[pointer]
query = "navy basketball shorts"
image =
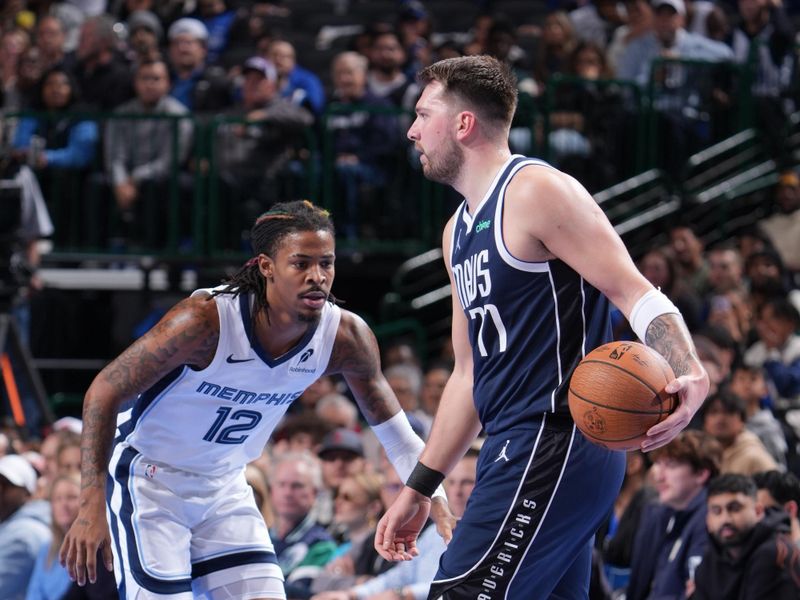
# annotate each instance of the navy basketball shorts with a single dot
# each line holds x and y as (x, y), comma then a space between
(540, 494)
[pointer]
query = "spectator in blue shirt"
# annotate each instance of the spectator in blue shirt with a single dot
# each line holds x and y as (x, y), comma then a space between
(685, 95)
(218, 21)
(49, 580)
(60, 144)
(24, 525)
(196, 86)
(70, 141)
(668, 38)
(296, 84)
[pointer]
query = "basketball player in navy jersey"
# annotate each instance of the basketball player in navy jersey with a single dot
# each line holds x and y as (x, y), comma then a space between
(533, 264)
(210, 382)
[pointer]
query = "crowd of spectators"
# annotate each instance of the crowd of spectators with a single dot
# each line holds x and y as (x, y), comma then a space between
(716, 509)
(696, 533)
(124, 91)
(323, 482)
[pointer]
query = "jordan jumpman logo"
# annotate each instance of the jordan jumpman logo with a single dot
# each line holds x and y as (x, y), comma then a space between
(503, 454)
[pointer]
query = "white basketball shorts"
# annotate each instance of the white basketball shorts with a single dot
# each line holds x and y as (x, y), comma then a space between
(178, 535)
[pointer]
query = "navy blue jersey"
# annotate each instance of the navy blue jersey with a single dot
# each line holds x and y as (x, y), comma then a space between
(530, 323)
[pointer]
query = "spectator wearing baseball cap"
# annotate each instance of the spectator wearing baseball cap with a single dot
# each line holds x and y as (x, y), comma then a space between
(677, 127)
(189, 27)
(341, 455)
(262, 66)
(197, 86)
(677, 5)
(24, 525)
(253, 159)
(341, 443)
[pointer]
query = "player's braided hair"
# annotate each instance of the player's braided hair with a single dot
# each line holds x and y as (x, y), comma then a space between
(266, 236)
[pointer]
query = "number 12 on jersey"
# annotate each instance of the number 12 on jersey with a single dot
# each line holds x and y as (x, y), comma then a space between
(224, 435)
(494, 317)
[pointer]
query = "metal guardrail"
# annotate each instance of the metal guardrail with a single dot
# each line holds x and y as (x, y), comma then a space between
(692, 91)
(81, 199)
(403, 212)
(197, 227)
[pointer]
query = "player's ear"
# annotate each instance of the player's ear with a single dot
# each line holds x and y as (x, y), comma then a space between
(466, 125)
(265, 265)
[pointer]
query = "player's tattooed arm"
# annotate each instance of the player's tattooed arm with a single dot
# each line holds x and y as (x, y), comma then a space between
(356, 356)
(187, 334)
(667, 334)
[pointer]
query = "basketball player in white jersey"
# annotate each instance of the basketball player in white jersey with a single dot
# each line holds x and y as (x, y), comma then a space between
(209, 383)
(533, 264)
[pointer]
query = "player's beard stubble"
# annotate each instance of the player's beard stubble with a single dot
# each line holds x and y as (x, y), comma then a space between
(445, 165)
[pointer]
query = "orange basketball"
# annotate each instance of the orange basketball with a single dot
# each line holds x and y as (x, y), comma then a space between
(617, 393)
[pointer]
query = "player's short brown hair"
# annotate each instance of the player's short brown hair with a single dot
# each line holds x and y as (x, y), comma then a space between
(482, 82)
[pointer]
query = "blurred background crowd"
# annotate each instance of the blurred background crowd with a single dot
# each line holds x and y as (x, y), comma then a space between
(175, 123)
(136, 134)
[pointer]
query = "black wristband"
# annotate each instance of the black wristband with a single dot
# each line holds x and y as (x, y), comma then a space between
(424, 480)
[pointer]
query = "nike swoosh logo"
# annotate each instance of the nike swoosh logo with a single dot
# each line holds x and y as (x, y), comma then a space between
(232, 360)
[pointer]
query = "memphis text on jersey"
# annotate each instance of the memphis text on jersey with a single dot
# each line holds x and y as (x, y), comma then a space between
(239, 396)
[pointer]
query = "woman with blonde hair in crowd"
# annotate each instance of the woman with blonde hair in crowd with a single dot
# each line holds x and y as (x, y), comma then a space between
(49, 580)
(357, 507)
(49, 451)
(68, 456)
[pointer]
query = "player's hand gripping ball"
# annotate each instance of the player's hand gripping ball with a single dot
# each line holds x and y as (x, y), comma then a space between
(617, 393)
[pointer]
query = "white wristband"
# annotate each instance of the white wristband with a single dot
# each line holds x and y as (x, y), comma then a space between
(402, 446)
(647, 308)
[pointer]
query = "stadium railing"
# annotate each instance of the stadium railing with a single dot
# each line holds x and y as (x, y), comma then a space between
(692, 104)
(81, 199)
(236, 189)
(395, 214)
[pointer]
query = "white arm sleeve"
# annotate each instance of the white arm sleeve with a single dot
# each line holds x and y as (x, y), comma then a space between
(402, 446)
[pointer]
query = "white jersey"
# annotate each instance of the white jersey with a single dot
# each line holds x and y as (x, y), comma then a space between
(218, 419)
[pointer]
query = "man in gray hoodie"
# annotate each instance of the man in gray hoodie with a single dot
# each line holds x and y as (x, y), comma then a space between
(24, 525)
